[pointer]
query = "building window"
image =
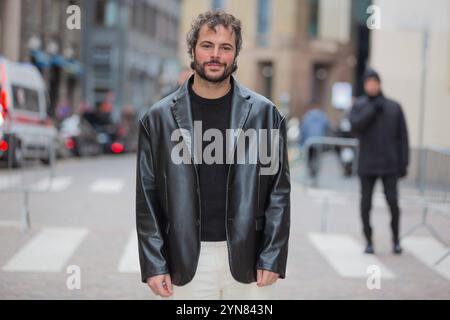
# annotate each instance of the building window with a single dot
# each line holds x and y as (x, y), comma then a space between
(142, 17)
(139, 9)
(147, 24)
(25, 99)
(106, 13)
(152, 20)
(133, 15)
(313, 25)
(100, 12)
(263, 22)
(216, 4)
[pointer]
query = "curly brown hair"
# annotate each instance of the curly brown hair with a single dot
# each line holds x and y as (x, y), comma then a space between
(212, 19)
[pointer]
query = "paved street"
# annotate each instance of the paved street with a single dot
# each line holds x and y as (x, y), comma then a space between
(87, 220)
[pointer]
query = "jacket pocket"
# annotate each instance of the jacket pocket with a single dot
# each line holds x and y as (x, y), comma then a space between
(259, 223)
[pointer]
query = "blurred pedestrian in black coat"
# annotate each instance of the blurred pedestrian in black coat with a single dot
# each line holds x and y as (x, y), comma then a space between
(380, 126)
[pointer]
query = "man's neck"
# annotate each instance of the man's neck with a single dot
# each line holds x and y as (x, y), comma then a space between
(210, 90)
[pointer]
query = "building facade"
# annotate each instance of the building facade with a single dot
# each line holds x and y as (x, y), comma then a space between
(411, 51)
(294, 50)
(48, 42)
(131, 53)
(10, 20)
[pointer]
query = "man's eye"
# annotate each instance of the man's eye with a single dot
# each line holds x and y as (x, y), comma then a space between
(226, 48)
(206, 46)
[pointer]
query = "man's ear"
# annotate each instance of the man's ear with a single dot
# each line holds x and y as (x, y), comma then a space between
(235, 66)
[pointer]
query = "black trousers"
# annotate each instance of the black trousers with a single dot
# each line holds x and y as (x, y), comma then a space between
(391, 194)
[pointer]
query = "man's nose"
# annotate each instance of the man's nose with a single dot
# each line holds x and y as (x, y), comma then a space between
(215, 53)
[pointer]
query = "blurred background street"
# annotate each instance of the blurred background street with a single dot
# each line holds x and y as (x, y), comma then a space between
(76, 75)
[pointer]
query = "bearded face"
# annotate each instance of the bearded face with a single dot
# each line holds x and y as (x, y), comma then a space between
(215, 54)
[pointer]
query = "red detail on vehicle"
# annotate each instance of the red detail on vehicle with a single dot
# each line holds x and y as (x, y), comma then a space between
(70, 144)
(3, 145)
(3, 94)
(4, 100)
(32, 120)
(117, 147)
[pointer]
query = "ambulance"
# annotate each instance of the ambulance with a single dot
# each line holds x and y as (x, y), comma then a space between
(26, 130)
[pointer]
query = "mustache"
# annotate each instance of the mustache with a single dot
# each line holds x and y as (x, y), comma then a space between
(215, 62)
(234, 66)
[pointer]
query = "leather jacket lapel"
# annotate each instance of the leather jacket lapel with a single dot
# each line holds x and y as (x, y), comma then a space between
(240, 108)
(181, 110)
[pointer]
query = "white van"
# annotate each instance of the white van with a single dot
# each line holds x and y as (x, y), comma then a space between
(26, 131)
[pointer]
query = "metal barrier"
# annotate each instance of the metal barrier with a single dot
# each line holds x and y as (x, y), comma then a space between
(433, 183)
(432, 188)
(23, 179)
(333, 142)
(325, 196)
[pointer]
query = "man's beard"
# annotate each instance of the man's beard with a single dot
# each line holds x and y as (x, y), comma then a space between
(200, 70)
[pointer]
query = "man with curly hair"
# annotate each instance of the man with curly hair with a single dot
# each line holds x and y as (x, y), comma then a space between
(210, 229)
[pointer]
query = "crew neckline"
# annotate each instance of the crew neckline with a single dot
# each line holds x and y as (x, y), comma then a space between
(203, 100)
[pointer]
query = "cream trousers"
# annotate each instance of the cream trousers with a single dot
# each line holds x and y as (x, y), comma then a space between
(213, 279)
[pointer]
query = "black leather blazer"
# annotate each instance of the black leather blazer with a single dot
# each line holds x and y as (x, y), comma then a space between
(168, 195)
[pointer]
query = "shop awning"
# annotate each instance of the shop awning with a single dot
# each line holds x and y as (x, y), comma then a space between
(41, 59)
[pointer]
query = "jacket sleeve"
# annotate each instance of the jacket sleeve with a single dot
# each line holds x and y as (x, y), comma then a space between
(148, 211)
(361, 116)
(403, 144)
(273, 256)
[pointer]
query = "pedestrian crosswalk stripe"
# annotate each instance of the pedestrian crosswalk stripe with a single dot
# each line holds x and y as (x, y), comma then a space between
(340, 198)
(428, 251)
(55, 184)
(129, 262)
(48, 251)
(106, 186)
(10, 181)
(345, 255)
(10, 223)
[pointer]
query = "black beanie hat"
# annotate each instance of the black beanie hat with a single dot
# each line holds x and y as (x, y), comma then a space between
(370, 73)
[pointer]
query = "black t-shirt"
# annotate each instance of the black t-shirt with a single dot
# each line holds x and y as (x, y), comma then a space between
(214, 114)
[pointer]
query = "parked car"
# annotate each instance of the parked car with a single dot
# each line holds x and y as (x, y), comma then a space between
(26, 130)
(80, 137)
(109, 134)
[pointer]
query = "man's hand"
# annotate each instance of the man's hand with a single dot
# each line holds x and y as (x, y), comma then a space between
(378, 102)
(265, 277)
(161, 285)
